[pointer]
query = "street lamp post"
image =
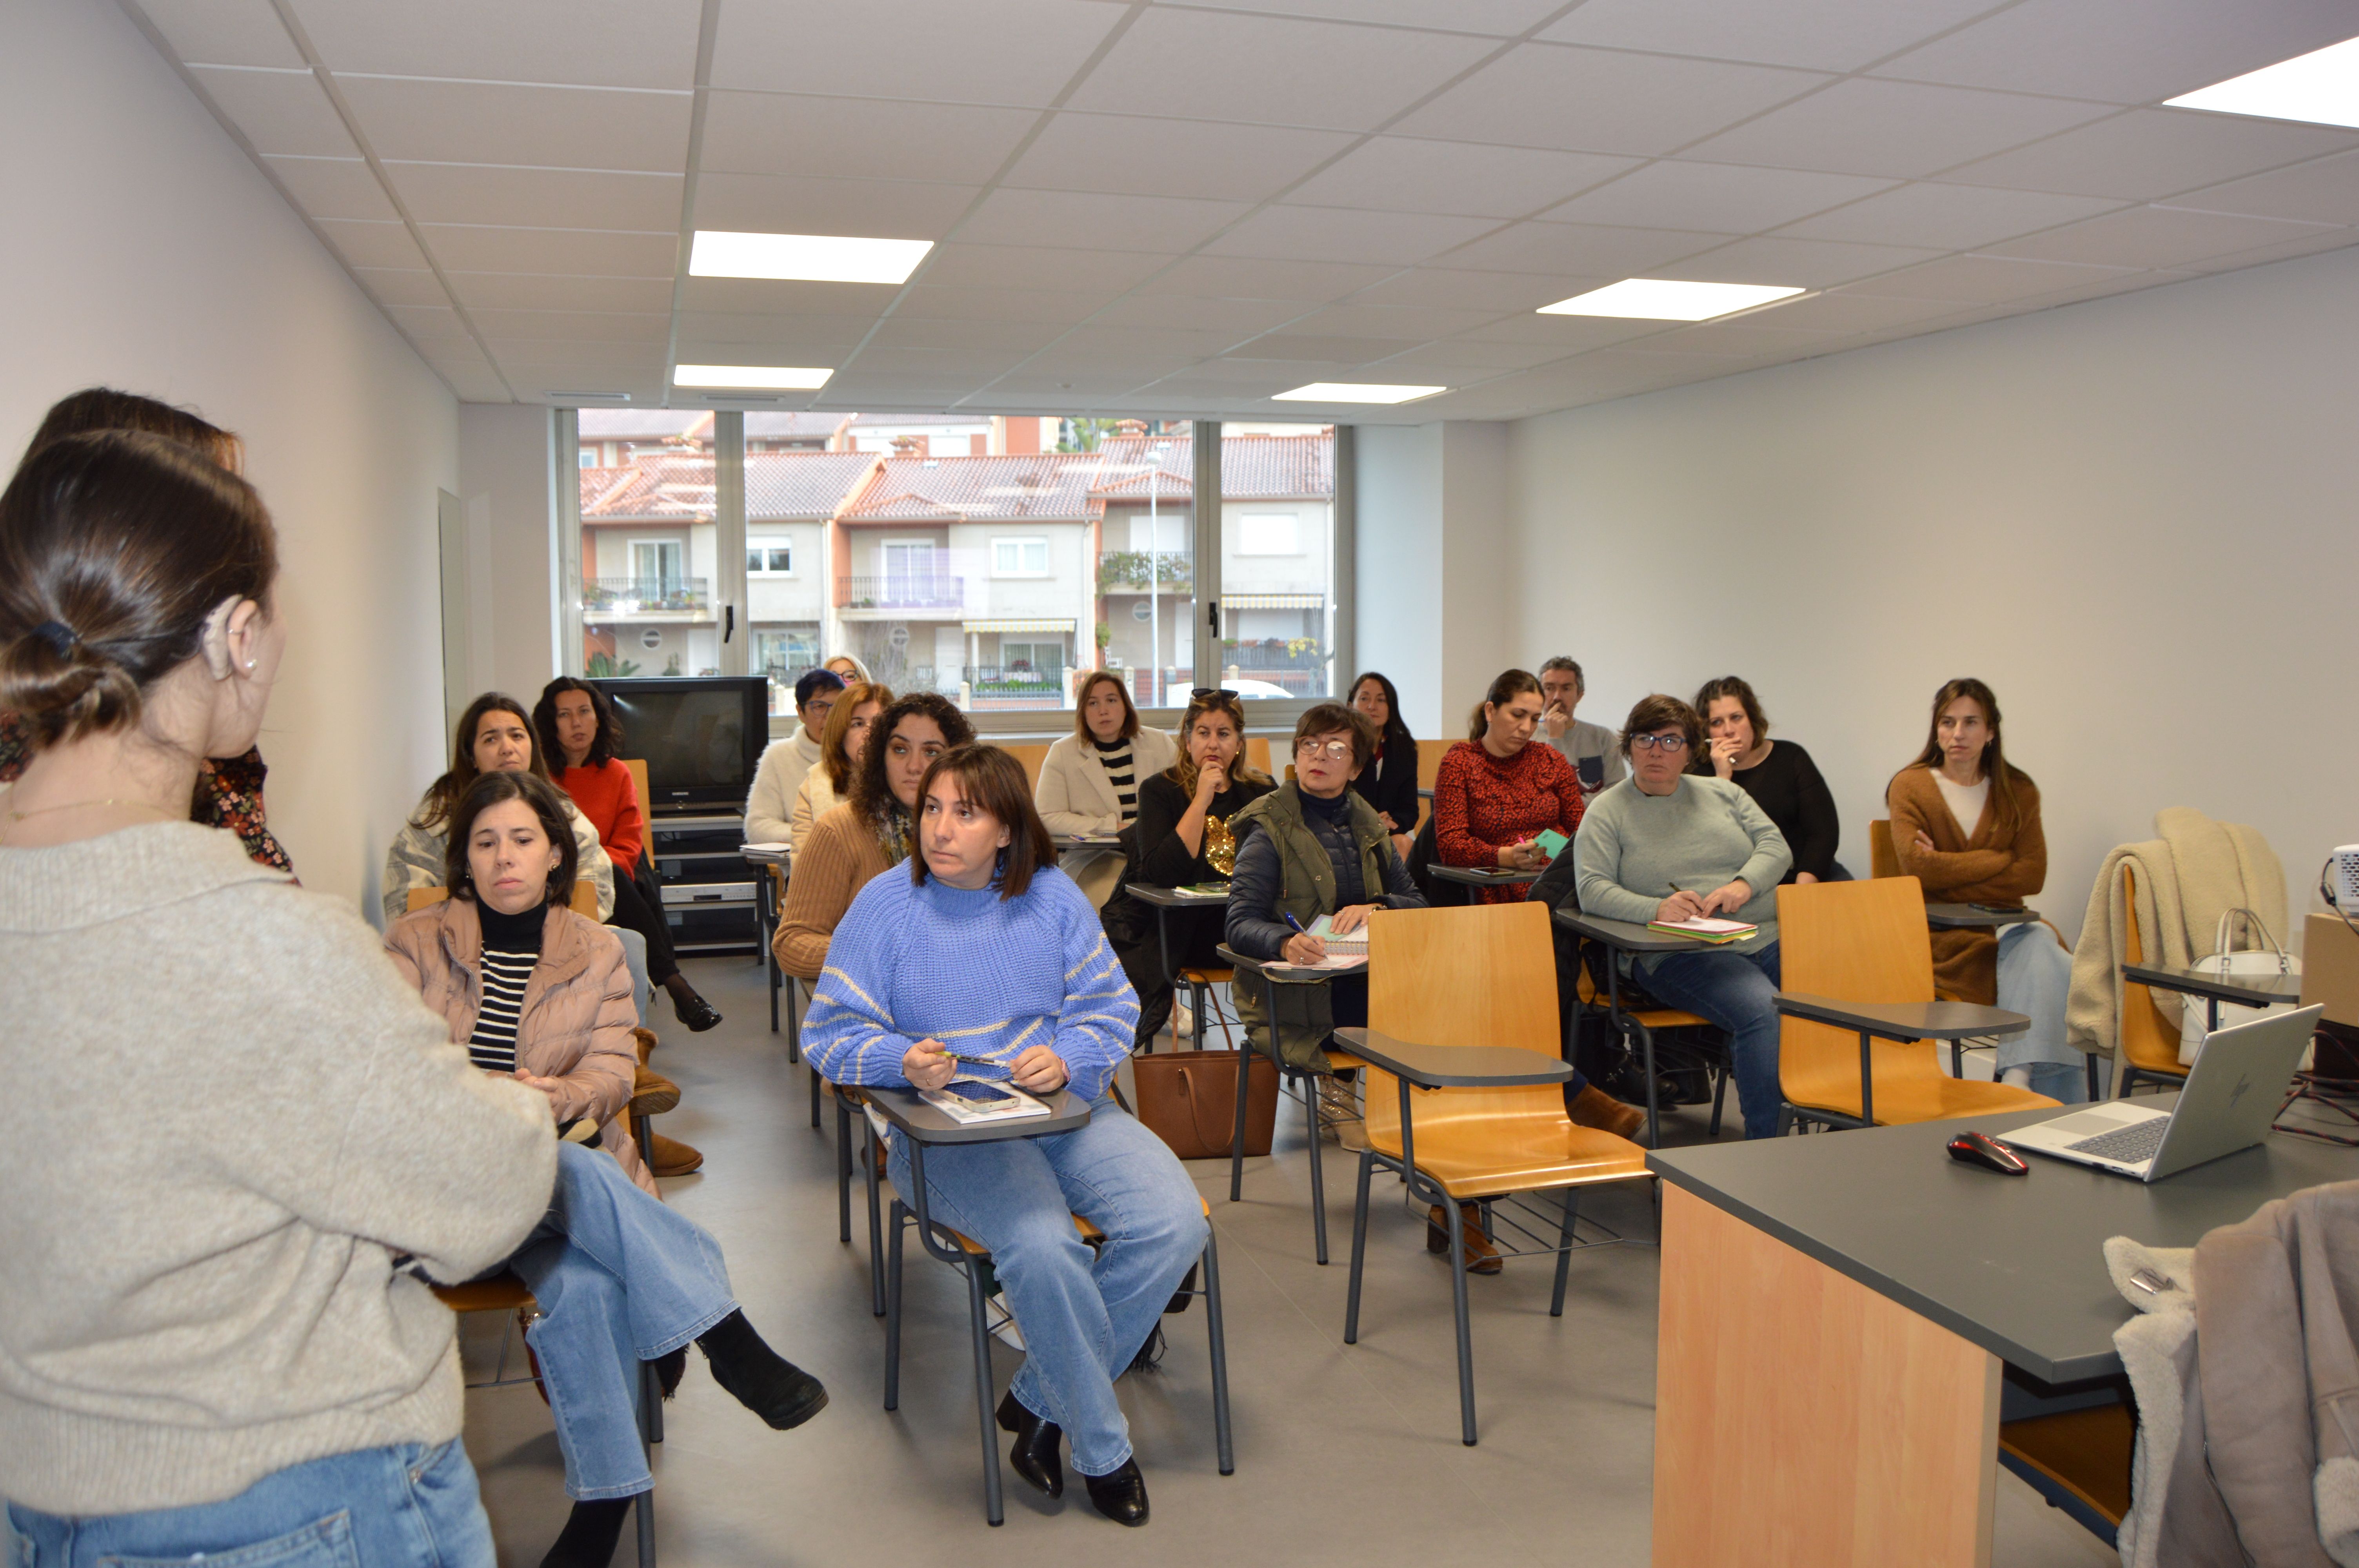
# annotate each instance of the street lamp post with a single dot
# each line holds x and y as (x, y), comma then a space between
(1155, 572)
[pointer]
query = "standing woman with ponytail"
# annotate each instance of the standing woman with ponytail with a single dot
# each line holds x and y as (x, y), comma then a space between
(213, 1335)
(1965, 823)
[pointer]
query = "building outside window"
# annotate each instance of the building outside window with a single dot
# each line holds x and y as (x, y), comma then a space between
(647, 564)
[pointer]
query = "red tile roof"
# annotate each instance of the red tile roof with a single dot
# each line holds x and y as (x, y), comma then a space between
(1253, 467)
(796, 486)
(1048, 486)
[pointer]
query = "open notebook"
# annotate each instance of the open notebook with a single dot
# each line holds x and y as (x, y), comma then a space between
(1704, 928)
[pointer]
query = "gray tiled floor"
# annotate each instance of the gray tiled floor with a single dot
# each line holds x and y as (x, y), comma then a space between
(1345, 1452)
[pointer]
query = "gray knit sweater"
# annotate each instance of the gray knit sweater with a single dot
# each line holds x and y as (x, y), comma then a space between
(1634, 849)
(225, 1120)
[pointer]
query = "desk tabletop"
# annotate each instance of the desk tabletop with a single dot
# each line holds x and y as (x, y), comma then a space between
(1178, 898)
(1622, 935)
(1455, 1066)
(2014, 1263)
(929, 1124)
(1279, 972)
(1085, 841)
(764, 854)
(1904, 1020)
(1484, 876)
(2253, 990)
(1965, 917)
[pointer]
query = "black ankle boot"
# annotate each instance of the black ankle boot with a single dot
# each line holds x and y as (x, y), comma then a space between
(1033, 1455)
(693, 1010)
(758, 1377)
(590, 1534)
(671, 1368)
(1121, 1497)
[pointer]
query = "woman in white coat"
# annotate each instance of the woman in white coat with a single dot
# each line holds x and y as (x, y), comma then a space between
(1089, 782)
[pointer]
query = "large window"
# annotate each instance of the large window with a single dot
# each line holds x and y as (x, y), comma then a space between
(993, 560)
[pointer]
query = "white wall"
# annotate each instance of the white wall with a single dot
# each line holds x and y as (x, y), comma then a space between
(504, 471)
(145, 252)
(2132, 516)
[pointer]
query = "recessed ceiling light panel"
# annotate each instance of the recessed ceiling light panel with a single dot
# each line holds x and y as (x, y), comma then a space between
(2321, 88)
(1355, 392)
(1662, 299)
(793, 378)
(805, 258)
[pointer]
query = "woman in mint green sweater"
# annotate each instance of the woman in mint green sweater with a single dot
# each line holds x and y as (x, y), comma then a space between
(1668, 845)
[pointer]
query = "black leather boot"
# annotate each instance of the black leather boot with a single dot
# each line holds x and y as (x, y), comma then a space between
(1121, 1497)
(1033, 1455)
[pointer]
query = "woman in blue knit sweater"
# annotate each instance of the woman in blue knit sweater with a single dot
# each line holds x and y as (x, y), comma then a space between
(987, 942)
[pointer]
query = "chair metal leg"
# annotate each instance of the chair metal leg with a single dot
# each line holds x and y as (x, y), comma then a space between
(814, 1100)
(1465, 1333)
(644, 1508)
(1785, 1120)
(1237, 1134)
(844, 1170)
(1719, 1098)
(893, 1312)
(1646, 1065)
(876, 1225)
(794, 1023)
(2096, 1091)
(654, 1390)
(1310, 1082)
(991, 1502)
(1217, 1332)
(1359, 1247)
(1564, 1253)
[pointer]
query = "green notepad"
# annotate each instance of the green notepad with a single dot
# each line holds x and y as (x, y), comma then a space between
(1552, 843)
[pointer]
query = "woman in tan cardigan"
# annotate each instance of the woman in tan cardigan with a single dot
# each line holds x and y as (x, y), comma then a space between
(869, 833)
(1965, 823)
(539, 994)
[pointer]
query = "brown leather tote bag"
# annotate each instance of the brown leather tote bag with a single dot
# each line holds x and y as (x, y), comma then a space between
(1190, 1099)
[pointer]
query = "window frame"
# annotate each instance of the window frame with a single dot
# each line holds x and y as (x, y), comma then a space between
(1021, 542)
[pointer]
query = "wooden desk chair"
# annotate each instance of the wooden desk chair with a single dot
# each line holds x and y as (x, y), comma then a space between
(2145, 1044)
(1257, 754)
(1428, 768)
(639, 767)
(1032, 756)
(1883, 860)
(1478, 1145)
(1199, 979)
(1639, 1027)
(584, 901)
(1867, 942)
(973, 1259)
(506, 1293)
(2080, 1461)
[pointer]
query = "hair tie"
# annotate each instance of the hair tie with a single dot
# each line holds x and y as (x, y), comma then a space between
(58, 636)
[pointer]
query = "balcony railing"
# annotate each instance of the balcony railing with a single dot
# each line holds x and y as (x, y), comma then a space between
(642, 595)
(915, 590)
(1272, 655)
(1019, 686)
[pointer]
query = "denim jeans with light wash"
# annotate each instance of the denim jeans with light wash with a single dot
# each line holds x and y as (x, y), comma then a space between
(620, 1279)
(1083, 1318)
(2034, 973)
(635, 958)
(1737, 991)
(411, 1506)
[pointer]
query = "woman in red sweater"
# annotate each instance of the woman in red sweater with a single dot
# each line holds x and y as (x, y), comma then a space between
(580, 735)
(1496, 791)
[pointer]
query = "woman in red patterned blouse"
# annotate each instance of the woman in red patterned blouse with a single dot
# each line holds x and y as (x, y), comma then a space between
(1496, 791)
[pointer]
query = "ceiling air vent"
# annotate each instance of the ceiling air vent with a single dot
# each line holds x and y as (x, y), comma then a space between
(588, 397)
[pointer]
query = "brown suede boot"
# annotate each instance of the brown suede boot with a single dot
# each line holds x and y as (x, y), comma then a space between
(652, 1094)
(1594, 1108)
(1481, 1257)
(670, 1157)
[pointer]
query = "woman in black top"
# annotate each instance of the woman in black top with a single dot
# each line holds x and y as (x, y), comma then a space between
(1389, 781)
(1778, 776)
(1181, 838)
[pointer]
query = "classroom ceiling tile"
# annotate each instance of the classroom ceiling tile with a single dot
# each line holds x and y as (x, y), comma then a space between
(583, 355)
(472, 248)
(1012, 52)
(967, 337)
(279, 110)
(1946, 217)
(334, 188)
(1397, 174)
(537, 197)
(223, 32)
(596, 43)
(1095, 220)
(1745, 337)
(859, 138)
(567, 326)
(1581, 250)
(547, 127)
(1346, 235)
(806, 204)
(427, 323)
(1805, 264)
(1566, 334)
(1470, 360)
(1413, 323)
(1238, 277)
(363, 242)
(1130, 155)
(1458, 289)
(1259, 368)
(1243, 317)
(932, 367)
(1984, 280)
(1904, 130)
(1676, 194)
(2324, 190)
(1547, 95)
(1494, 19)
(537, 291)
(779, 296)
(955, 265)
(2125, 51)
(2146, 154)
(2317, 240)
(1235, 67)
(400, 285)
(2157, 237)
(808, 333)
(1848, 311)
(1062, 306)
(1814, 34)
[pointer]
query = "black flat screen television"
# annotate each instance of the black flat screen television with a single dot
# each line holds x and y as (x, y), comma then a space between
(702, 736)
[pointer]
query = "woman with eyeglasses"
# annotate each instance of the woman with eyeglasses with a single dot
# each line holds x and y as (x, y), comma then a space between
(1666, 844)
(1184, 836)
(1496, 793)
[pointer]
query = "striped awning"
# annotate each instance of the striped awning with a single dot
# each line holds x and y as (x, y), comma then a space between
(1273, 601)
(1037, 628)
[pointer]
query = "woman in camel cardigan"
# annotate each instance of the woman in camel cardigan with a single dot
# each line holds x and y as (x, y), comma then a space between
(1965, 823)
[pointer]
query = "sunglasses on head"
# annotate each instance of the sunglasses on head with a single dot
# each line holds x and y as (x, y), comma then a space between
(1202, 692)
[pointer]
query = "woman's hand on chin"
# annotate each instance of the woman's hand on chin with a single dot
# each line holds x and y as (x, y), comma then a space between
(1039, 1069)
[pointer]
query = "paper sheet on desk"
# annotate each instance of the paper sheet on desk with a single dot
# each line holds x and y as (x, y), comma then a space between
(1331, 961)
(765, 848)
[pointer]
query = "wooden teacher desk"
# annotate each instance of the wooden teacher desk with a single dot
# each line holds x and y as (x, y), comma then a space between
(1837, 1311)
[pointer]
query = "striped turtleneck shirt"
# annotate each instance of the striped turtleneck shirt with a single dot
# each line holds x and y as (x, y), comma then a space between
(511, 949)
(1122, 771)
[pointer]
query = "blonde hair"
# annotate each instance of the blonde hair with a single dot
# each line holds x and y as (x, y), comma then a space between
(1183, 772)
(838, 729)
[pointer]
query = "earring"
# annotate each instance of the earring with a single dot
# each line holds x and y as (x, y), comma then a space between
(249, 666)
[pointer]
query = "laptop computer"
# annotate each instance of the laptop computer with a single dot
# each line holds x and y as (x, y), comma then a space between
(2233, 1093)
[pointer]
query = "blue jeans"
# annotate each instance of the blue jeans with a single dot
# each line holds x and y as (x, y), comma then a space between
(1737, 991)
(1084, 1317)
(407, 1507)
(2034, 973)
(620, 1279)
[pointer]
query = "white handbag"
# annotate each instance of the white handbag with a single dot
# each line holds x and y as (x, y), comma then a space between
(2258, 960)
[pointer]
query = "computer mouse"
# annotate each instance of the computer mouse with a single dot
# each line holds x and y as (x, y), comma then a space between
(1982, 1149)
